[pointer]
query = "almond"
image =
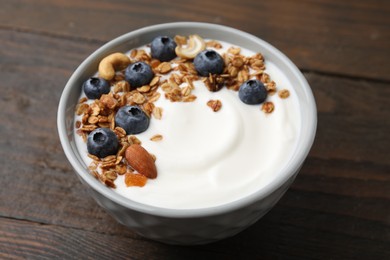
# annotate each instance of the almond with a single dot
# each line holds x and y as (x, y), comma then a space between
(141, 161)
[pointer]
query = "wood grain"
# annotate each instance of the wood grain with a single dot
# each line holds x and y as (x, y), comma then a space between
(285, 232)
(328, 35)
(338, 207)
(21, 239)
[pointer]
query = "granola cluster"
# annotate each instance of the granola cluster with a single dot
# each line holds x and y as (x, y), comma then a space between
(174, 80)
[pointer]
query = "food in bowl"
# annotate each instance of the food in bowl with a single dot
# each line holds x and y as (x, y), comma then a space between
(206, 130)
(218, 119)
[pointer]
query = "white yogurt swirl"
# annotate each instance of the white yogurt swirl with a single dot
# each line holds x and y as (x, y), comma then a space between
(211, 158)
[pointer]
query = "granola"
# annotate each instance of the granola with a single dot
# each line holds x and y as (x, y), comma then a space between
(215, 105)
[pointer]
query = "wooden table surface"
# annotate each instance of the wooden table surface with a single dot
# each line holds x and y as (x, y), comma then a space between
(338, 206)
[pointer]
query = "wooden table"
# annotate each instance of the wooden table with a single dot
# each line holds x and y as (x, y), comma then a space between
(339, 205)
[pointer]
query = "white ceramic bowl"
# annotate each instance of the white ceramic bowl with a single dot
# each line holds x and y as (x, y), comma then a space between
(187, 226)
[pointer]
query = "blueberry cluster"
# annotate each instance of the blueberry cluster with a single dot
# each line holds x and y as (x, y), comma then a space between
(103, 142)
(205, 62)
(210, 62)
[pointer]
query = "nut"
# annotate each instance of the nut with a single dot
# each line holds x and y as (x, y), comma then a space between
(195, 45)
(141, 161)
(111, 63)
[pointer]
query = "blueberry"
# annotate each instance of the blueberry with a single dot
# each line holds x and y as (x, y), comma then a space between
(102, 142)
(138, 74)
(132, 119)
(252, 92)
(95, 87)
(163, 48)
(208, 61)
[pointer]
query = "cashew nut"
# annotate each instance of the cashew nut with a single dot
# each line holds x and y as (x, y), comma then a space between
(111, 63)
(195, 45)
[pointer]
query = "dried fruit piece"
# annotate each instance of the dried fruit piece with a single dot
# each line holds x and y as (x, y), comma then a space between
(132, 179)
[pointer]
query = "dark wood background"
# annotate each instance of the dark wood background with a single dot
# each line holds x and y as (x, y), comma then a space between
(339, 205)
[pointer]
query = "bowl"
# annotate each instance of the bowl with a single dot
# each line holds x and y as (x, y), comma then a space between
(187, 226)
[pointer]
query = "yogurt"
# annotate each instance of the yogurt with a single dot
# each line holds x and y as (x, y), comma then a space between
(208, 158)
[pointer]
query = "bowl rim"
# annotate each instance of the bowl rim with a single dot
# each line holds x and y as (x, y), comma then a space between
(285, 175)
